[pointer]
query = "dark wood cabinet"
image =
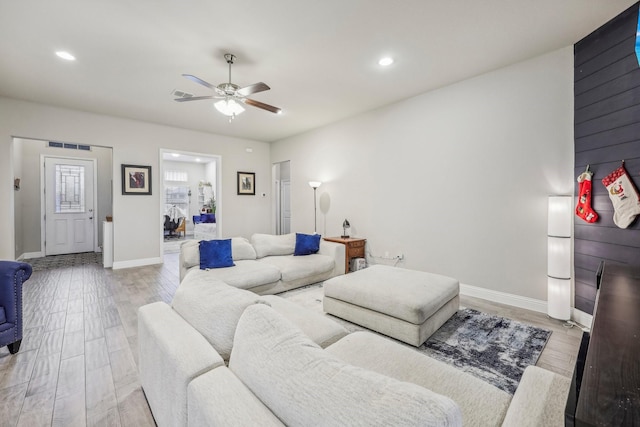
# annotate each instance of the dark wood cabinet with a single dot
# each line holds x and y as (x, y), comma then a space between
(606, 390)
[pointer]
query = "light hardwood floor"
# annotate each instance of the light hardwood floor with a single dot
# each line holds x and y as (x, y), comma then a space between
(77, 364)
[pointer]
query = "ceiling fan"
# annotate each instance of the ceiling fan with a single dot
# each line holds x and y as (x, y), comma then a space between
(231, 95)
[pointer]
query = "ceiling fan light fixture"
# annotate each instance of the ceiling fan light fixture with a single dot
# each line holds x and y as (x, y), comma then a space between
(229, 107)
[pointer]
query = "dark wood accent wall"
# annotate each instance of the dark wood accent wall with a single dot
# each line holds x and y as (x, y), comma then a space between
(607, 131)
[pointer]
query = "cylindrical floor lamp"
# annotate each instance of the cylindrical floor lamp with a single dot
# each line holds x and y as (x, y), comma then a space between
(315, 185)
(559, 257)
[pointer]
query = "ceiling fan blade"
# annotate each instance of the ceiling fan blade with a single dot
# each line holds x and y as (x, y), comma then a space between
(254, 88)
(195, 98)
(262, 105)
(199, 81)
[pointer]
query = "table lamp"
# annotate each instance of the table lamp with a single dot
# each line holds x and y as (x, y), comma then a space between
(345, 225)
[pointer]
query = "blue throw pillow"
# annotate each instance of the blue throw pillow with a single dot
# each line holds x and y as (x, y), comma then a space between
(215, 254)
(307, 244)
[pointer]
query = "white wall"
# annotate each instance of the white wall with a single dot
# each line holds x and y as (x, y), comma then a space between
(456, 179)
(137, 222)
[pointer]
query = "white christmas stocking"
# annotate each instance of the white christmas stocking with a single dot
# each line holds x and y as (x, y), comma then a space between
(623, 195)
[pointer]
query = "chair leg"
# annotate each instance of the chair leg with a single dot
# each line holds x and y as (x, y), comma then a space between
(14, 347)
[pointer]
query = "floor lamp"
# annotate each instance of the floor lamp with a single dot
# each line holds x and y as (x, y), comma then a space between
(559, 257)
(314, 185)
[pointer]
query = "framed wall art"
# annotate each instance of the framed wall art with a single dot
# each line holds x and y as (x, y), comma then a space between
(136, 180)
(247, 183)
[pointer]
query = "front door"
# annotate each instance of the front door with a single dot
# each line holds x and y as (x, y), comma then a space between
(69, 216)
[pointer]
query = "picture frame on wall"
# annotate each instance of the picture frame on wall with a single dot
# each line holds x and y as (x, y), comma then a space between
(136, 180)
(246, 183)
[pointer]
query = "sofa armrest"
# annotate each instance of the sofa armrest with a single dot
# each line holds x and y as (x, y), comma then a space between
(335, 251)
(12, 275)
(171, 354)
(539, 399)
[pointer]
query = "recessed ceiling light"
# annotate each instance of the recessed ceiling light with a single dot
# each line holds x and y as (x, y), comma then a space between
(175, 155)
(386, 61)
(65, 55)
(198, 160)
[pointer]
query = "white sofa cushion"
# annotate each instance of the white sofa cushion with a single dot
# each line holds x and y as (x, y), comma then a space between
(305, 386)
(212, 307)
(241, 249)
(245, 274)
(481, 403)
(190, 250)
(320, 328)
(269, 244)
(218, 398)
(297, 267)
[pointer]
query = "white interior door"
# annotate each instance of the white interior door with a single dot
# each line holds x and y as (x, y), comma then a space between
(69, 214)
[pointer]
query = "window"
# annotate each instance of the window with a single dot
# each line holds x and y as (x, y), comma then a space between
(69, 189)
(176, 176)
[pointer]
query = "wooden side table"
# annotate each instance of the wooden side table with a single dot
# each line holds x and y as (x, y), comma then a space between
(354, 248)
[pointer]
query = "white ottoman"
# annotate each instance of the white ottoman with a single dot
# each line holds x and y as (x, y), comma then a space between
(407, 305)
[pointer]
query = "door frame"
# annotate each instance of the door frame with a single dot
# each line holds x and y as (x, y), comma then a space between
(43, 201)
(276, 200)
(217, 190)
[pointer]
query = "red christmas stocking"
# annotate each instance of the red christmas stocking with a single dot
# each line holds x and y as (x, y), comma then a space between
(623, 195)
(583, 208)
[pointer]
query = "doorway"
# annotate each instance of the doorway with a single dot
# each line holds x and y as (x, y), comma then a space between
(281, 173)
(28, 160)
(69, 199)
(190, 183)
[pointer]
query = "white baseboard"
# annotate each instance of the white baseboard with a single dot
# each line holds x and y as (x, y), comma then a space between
(504, 298)
(30, 255)
(522, 302)
(117, 265)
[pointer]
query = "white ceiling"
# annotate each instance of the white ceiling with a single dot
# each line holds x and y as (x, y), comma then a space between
(319, 57)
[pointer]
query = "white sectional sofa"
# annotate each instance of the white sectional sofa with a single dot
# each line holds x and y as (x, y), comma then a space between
(266, 264)
(220, 355)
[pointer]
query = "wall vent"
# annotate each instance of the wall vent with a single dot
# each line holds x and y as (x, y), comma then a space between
(69, 146)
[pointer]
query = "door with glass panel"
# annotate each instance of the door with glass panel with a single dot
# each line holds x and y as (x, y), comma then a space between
(69, 215)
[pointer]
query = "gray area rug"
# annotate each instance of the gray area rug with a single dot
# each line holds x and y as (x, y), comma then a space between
(492, 348)
(64, 261)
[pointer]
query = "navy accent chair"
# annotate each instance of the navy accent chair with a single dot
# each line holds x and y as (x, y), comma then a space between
(12, 275)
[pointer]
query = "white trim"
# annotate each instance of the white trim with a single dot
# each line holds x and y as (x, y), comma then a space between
(532, 304)
(584, 319)
(117, 265)
(29, 255)
(504, 298)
